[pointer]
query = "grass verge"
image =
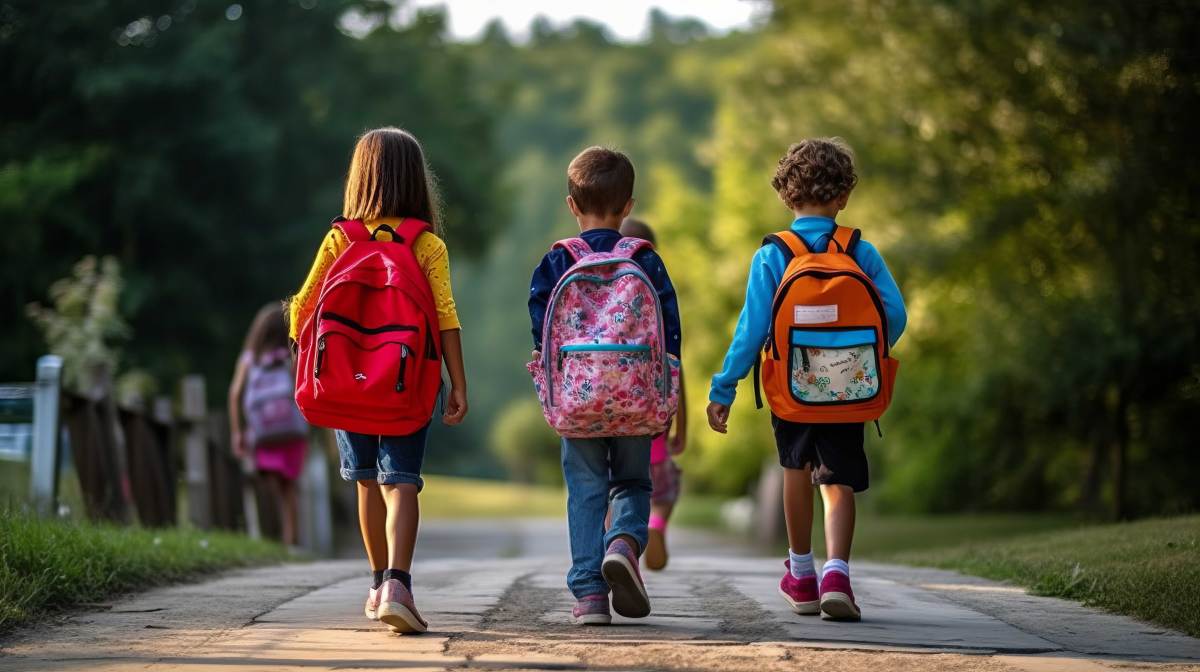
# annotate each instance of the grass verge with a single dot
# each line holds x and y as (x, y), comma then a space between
(454, 497)
(1148, 569)
(48, 565)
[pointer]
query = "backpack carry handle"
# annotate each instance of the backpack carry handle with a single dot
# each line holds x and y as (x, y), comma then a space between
(406, 232)
(844, 239)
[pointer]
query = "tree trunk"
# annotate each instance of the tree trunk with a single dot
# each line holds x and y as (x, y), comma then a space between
(1120, 445)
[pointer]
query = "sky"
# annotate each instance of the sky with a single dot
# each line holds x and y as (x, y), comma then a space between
(625, 18)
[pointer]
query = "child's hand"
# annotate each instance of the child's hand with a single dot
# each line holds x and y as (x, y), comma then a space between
(456, 406)
(718, 417)
(537, 354)
(237, 441)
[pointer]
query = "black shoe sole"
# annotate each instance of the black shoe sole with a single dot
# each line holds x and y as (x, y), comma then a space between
(629, 597)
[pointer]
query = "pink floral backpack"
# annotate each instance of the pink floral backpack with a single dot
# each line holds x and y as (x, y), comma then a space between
(604, 369)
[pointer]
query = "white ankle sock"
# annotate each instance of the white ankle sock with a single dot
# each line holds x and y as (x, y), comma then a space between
(835, 565)
(801, 565)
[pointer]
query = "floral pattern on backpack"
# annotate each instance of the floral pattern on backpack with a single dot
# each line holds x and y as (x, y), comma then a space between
(604, 370)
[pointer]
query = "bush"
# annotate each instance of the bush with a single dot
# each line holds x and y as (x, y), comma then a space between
(526, 445)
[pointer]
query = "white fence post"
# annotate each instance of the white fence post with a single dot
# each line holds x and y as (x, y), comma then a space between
(195, 451)
(43, 468)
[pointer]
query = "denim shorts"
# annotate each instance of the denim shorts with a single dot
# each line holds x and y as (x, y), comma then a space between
(388, 459)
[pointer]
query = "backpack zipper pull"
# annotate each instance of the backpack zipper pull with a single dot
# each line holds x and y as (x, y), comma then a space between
(403, 366)
(878, 429)
(804, 363)
(320, 356)
(561, 356)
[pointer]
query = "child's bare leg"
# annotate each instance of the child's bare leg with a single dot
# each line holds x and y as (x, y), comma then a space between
(839, 520)
(798, 508)
(661, 510)
(289, 509)
(403, 516)
(372, 522)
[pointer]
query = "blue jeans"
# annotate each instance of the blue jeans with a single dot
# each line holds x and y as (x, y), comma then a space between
(388, 459)
(600, 472)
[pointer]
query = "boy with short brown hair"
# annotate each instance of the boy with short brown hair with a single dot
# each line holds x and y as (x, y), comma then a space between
(607, 472)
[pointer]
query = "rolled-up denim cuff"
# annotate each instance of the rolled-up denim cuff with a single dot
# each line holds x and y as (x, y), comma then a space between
(359, 474)
(400, 477)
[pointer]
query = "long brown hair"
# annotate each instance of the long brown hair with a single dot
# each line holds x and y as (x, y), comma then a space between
(389, 178)
(268, 331)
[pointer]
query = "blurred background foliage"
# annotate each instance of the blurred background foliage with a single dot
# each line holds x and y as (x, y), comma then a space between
(1026, 168)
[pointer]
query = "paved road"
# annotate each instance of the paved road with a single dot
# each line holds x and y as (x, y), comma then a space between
(494, 595)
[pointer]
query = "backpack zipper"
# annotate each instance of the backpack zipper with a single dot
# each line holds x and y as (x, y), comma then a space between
(320, 356)
(403, 366)
(334, 317)
(599, 347)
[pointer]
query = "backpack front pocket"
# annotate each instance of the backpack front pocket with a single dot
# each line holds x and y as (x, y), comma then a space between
(372, 364)
(604, 384)
(834, 366)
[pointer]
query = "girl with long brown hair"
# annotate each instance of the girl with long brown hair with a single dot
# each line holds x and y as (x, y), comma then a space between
(389, 182)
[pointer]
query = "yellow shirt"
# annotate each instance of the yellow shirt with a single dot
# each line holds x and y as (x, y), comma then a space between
(431, 256)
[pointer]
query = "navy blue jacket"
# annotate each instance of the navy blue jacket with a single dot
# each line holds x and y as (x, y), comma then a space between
(556, 262)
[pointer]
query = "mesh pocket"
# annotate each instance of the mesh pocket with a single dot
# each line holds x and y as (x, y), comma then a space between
(836, 366)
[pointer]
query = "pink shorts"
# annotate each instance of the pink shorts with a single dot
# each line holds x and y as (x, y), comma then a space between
(285, 458)
(664, 477)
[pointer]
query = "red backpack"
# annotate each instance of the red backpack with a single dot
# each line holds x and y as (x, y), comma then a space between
(370, 360)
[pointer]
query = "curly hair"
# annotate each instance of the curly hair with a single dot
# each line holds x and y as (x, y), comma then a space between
(814, 172)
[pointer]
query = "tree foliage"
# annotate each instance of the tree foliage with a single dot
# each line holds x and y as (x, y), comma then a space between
(1024, 169)
(204, 148)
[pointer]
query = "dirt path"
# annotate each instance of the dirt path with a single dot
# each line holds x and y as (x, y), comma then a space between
(711, 611)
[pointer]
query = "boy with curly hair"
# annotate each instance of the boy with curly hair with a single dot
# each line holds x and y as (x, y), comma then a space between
(814, 179)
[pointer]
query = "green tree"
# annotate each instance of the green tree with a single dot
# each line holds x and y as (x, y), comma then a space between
(205, 148)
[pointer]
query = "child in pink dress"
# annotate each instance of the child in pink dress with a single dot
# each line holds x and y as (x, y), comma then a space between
(664, 473)
(278, 458)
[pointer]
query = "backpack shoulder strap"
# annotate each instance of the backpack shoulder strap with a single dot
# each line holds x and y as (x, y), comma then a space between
(844, 239)
(789, 243)
(629, 246)
(409, 230)
(353, 229)
(576, 247)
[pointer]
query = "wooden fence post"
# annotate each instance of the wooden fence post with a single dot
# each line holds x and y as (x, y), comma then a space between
(316, 518)
(164, 419)
(195, 451)
(43, 482)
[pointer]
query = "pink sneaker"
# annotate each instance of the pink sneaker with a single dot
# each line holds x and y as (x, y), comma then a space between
(398, 610)
(372, 607)
(801, 594)
(591, 610)
(620, 569)
(837, 599)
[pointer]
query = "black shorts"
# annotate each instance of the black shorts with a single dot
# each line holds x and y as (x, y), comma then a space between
(834, 451)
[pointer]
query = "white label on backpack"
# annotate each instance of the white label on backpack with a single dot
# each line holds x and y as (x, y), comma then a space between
(815, 314)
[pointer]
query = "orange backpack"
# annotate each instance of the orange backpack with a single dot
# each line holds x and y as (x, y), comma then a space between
(827, 357)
